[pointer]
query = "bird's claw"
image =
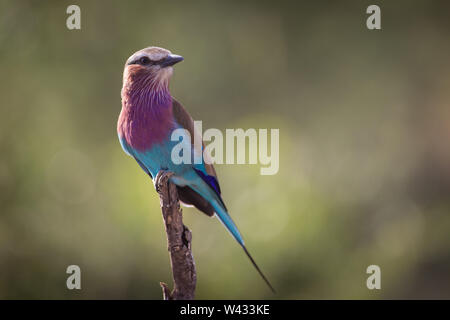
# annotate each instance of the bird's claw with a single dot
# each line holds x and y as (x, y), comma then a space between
(161, 179)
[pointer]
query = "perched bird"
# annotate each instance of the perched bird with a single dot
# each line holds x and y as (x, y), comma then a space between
(148, 117)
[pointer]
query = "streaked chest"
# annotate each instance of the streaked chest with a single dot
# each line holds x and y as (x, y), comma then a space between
(142, 127)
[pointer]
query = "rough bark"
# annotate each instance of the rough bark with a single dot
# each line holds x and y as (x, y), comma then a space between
(179, 239)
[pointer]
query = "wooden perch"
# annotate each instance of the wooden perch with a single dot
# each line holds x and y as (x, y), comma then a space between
(178, 240)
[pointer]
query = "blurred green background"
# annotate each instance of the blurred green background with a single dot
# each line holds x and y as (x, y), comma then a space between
(364, 121)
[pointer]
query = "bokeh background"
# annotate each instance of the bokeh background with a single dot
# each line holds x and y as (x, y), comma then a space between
(364, 121)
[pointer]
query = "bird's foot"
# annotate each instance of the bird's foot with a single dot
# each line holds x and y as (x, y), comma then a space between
(162, 179)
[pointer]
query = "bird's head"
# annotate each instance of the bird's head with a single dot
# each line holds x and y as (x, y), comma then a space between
(151, 66)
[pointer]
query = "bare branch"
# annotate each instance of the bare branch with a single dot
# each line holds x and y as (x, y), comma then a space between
(178, 240)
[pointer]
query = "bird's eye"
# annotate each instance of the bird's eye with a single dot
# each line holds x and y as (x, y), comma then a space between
(144, 60)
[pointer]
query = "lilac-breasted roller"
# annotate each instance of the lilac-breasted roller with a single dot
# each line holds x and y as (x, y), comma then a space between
(148, 117)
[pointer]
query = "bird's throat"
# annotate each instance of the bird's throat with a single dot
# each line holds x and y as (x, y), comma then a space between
(146, 118)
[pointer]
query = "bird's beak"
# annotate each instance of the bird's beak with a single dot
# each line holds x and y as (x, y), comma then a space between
(171, 60)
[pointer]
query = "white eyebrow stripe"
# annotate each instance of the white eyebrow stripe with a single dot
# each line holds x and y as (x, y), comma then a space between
(136, 57)
(155, 56)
